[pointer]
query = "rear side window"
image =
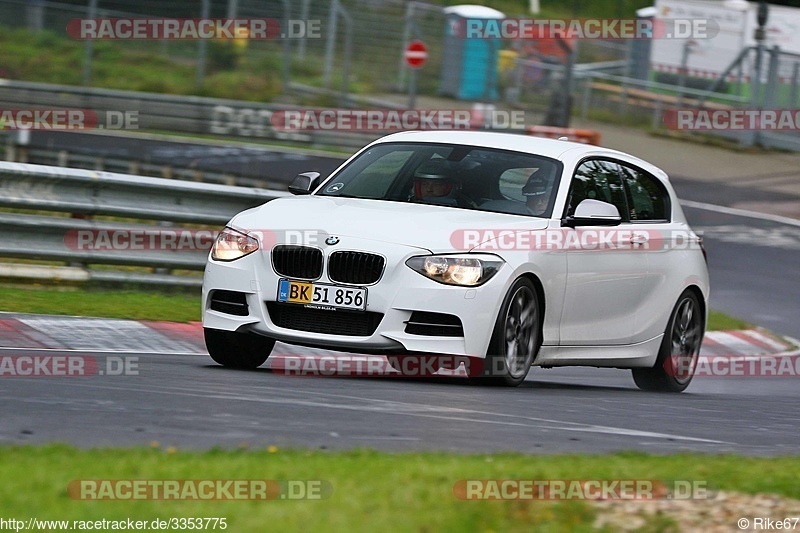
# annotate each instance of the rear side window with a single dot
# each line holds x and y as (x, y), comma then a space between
(513, 180)
(647, 197)
(598, 179)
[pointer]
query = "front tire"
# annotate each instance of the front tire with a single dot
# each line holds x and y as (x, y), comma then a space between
(237, 350)
(515, 341)
(680, 349)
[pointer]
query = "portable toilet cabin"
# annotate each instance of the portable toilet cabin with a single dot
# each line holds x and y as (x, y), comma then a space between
(469, 65)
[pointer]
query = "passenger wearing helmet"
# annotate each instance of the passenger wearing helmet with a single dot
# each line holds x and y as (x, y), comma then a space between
(537, 194)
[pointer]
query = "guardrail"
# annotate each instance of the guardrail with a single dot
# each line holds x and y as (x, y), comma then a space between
(623, 94)
(152, 205)
(176, 113)
(647, 100)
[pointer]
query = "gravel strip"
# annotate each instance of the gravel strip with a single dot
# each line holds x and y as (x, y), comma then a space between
(720, 513)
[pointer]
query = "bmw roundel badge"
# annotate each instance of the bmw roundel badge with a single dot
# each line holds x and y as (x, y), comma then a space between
(332, 240)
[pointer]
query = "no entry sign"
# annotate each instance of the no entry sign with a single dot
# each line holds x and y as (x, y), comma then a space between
(416, 53)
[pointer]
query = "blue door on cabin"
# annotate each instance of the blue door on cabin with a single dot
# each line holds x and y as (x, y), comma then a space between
(479, 69)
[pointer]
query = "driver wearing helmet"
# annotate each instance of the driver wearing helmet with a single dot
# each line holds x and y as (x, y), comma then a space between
(424, 187)
(537, 194)
(435, 182)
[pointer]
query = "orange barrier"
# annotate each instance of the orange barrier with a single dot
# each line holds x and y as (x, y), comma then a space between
(572, 134)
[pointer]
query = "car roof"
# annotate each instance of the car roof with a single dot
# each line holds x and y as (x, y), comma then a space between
(490, 139)
(553, 148)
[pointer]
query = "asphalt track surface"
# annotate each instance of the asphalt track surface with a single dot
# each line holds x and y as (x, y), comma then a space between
(254, 164)
(188, 402)
(754, 263)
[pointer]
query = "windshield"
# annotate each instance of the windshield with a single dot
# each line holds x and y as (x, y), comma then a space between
(465, 177)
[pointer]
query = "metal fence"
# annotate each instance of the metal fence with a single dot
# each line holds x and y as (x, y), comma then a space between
(357, 39)
(166, 112)
(360, 50)
(357, 50)
(359, 44)
(644, 100)
(51, 214)
(742, 86)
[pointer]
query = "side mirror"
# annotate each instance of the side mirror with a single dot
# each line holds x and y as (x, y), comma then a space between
(304, 183)
(593, 213)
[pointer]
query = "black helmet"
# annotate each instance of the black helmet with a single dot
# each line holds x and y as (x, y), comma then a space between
(536, 186)
(434, 169)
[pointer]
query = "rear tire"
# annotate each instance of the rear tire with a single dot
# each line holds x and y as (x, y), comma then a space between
(237, 350)
(515, 341)
(680, 348)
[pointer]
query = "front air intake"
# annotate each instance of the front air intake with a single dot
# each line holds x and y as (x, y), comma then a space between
(434, 324)
(300, 318)
(229, 302)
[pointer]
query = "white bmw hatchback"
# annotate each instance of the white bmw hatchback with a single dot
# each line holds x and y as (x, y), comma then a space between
(503, 251)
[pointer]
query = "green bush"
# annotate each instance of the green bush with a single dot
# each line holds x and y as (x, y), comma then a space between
(224, 55)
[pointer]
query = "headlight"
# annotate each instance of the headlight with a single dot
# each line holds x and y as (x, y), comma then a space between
(232, 244)
(468, 270)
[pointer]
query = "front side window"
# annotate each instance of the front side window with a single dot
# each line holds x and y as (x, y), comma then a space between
(466, 177)
(597, 179)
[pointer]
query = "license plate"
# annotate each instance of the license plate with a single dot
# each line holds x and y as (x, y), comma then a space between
(322, 295)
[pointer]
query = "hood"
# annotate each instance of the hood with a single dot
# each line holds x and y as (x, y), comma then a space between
(435, 228)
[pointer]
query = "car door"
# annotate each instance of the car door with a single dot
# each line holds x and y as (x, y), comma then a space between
(664, 245)
(605, 270)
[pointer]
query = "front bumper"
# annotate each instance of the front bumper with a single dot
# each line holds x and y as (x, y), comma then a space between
(396, 295)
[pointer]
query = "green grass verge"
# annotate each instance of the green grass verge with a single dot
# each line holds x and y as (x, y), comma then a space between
(721, 321)
(371, 491)
(248, 73)
(160, 306)
(134, 66)
(109, 304)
